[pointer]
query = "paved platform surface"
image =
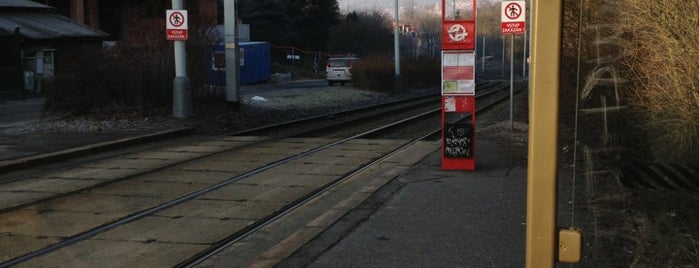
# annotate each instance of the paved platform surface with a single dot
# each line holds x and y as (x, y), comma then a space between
(429, 217)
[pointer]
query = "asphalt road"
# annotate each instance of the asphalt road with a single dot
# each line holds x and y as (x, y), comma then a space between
(14, 112)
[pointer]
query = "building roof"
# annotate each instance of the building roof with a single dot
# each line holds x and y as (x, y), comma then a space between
(22, 4)
(42, 24)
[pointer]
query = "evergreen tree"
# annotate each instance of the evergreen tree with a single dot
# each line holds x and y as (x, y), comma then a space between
(362, 33)
(302, 23)
(269, 20)
(313, 19)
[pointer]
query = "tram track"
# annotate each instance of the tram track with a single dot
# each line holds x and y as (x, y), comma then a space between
(490, 97)
(254, 197)
(298, 127)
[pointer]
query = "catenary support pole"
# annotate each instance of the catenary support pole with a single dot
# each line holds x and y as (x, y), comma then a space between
(232, 53)
(181, 88)
(524, 55)
(483, 56)
(542, 167)
(396, 49)
(502, 69)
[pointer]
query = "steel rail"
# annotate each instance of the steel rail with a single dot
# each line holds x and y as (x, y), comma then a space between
(412, 102)
(251, 229)
(184, 134)
(182, 199)
(150, 211)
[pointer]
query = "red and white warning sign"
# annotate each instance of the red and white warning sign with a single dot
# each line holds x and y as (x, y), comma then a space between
(458, 73)
(513, 17)
(176, 25)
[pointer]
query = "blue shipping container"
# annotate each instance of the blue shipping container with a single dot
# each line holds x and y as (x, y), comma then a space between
(255, 64)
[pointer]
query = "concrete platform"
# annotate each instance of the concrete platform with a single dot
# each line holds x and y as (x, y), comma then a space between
(438, 218)
(428, 217)
(423, 217)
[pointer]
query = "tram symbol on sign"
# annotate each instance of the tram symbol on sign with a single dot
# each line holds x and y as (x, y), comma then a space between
(457, 32)
(176, 19)
(513, 11)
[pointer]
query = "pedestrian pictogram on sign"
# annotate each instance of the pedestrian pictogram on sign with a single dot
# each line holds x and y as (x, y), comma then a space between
(176, 19)
(176, 25)
(513, 17)
(513, 11)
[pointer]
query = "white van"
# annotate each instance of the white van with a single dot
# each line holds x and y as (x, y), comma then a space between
(338, 70)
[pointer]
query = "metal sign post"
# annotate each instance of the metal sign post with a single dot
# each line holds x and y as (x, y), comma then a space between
(396, 49)
(232, 53)
(176, 30)
(458, 84)
(513, 21)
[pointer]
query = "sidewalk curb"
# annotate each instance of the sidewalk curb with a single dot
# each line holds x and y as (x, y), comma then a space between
(29, 161)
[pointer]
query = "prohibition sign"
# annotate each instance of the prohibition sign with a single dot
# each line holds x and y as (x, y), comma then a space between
(513, 11)
(176, 19)
(457, 32)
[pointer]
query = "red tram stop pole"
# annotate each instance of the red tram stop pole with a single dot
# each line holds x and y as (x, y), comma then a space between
(458, 85)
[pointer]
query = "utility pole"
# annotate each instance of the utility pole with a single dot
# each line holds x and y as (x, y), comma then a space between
(502, 70)
(483, 56)
(396, 48)
(524, 55)
(232, 53)
(181, 88)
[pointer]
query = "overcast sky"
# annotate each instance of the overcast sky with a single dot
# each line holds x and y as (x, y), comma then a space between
(352, 5)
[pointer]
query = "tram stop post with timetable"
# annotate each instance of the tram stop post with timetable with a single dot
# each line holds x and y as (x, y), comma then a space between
(458, 84)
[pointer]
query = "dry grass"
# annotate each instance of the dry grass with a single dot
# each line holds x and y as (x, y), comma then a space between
(664, 61)
(648, 65)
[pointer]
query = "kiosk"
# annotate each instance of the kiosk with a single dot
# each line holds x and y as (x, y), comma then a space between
(458, 84)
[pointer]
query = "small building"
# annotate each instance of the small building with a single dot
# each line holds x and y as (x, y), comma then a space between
(35, 39)
(255, 58)
(255, 64)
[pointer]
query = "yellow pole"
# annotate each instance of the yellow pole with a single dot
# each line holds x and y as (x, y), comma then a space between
(542, 167)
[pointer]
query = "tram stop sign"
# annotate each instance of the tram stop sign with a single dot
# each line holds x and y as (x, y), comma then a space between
(458, 84)
(176, 25)
(459, 35)
(458, 25)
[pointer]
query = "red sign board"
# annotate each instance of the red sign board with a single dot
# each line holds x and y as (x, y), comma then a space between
(176, 35)
(512, 28)
(458, 72)
(513, 17)
(176, 25)
(458, 35)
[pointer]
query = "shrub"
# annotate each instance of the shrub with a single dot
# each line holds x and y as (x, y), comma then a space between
(421, 71)
(374, 72)
(377, 72)
(665, 65)
(136, 74)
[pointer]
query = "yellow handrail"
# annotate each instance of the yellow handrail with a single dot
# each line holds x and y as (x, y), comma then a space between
(541, 245)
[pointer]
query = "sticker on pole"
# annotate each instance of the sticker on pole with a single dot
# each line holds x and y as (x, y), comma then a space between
(513, 17)
(176, 25)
